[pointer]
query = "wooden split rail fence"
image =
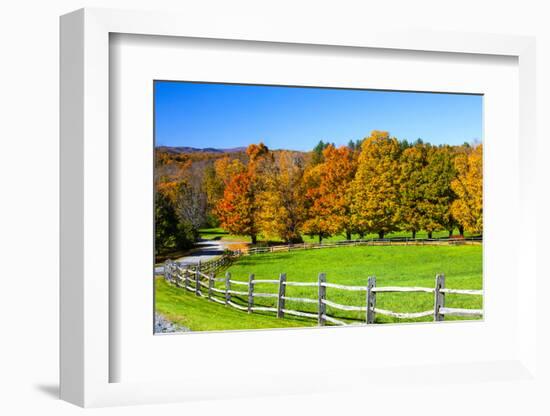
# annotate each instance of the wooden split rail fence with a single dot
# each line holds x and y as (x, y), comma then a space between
(395, 241)
(211, 266)
(203, 284)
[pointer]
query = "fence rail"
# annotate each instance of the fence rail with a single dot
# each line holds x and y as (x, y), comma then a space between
(203, 269)
(394, 241)
(203, 284)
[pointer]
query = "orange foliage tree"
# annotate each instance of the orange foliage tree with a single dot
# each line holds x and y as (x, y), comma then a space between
(238, 210)
(329, 193)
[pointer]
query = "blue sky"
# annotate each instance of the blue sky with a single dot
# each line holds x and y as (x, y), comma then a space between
(225, 115)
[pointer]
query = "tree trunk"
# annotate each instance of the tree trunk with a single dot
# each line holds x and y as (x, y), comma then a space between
(461, 230)
(414, 234)
(450, 233)
(254, 239)
(348, 235)
(361, 235)
(380, 234)
(320, 238)
(429, 235)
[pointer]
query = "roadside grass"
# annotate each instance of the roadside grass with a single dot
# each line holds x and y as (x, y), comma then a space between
(392, 266)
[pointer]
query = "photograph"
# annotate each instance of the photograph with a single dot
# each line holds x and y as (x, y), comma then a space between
(281, 206)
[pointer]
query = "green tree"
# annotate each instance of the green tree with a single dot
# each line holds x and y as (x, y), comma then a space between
(317, 153)
(412, 189)
(170, 232)
(439, 173)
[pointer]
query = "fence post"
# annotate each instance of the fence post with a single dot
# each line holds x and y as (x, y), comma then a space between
(166, 270)
(175, 274)
(439, 301)
(371, 299)
(211, 284)
(250, 292)
(197, 282)
(322, 308)
(186, 277)
(280, 300)
(227, 287)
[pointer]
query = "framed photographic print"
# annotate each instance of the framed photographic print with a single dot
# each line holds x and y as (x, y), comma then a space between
(300, 204)
(293, 231)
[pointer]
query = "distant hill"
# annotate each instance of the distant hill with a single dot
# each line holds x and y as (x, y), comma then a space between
(186, 149)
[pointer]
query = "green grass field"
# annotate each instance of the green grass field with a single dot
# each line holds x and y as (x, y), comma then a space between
(197, 313)
(392, 266)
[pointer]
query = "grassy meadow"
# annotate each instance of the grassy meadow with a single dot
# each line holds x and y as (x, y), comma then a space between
(392, 266)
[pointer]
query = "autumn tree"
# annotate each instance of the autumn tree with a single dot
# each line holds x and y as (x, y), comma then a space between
(339, 171)
(213, 187)
(238, 210)
(282, 210)
(375, 186)
(412, 188)
(329, 193)
(439, 195)
(227, 167)
(170, 168)
(257, 153)
(468, 186)
(316, 223)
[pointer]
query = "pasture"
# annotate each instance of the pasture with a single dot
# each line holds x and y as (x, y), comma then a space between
(392, 266)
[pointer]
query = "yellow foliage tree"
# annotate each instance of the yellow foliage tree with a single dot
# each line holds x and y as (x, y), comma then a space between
(282, 210)
(226, 167)
(375, 188)
(468, 186)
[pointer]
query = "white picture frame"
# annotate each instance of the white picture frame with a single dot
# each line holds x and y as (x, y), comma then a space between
(86, 356)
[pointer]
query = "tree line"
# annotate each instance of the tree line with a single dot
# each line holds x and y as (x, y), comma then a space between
(376, 185)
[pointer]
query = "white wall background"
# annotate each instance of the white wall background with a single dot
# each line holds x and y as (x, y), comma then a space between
(29, 176)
